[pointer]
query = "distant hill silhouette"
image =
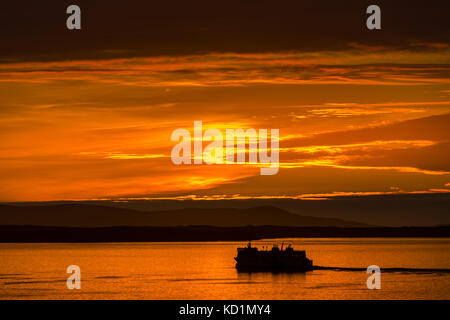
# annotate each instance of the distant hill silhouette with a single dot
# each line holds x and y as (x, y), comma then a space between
(79, 215)
(394, 210)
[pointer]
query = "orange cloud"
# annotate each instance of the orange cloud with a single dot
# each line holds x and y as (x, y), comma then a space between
(232, 69)
(356, 120)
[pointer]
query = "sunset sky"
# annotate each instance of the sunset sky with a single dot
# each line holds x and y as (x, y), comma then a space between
(89, 114)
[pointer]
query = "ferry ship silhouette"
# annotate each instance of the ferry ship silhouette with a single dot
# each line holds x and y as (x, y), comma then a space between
(275, 260)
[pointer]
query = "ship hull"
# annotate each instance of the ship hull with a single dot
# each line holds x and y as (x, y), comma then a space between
(273, 269)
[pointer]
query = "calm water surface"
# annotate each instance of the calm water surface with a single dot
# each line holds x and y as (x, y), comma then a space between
(191, 270)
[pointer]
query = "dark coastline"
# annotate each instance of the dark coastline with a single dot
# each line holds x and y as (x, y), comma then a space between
(37, 234)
